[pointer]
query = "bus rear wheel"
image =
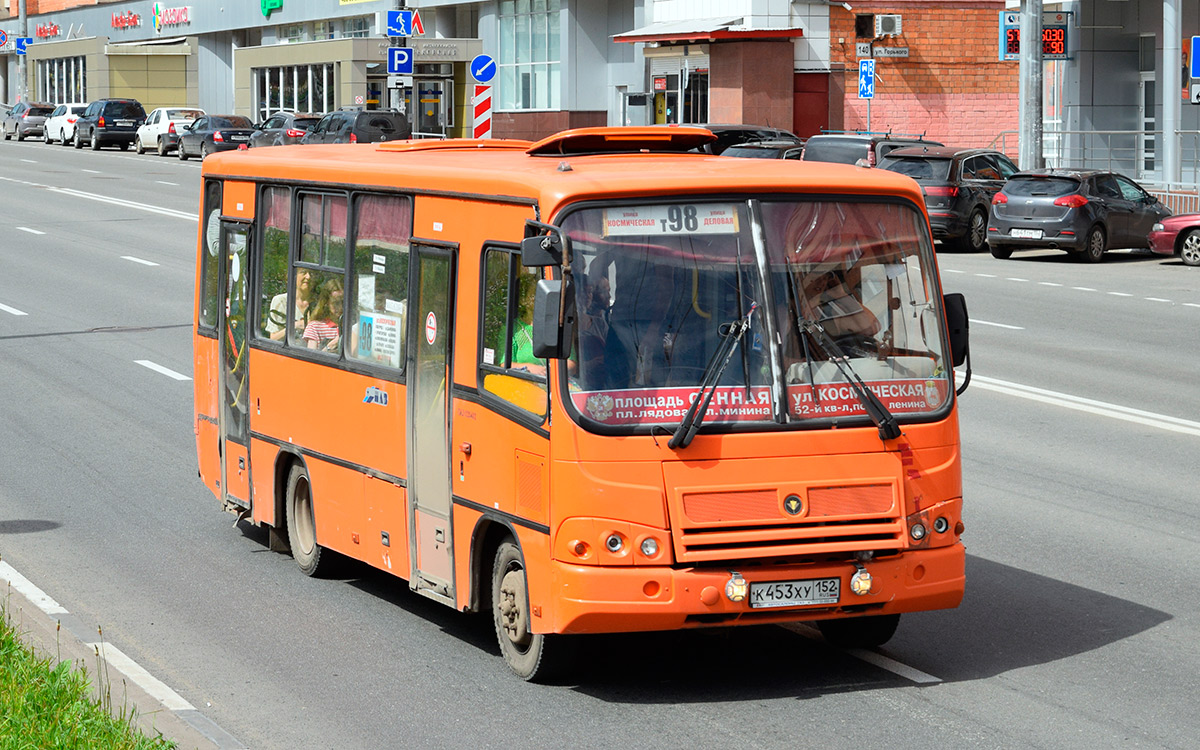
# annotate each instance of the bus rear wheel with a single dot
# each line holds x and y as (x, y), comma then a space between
(301, 526)
(533, 657)
(859, 632)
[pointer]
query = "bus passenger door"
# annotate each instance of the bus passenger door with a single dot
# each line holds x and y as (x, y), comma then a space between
(429, 367)
(234, 433)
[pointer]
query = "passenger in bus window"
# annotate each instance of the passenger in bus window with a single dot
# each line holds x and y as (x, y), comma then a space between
(323, 332)
(522, 342)
(829, 298)
(277, 319)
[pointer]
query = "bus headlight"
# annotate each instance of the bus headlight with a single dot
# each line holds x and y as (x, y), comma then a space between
(649, 547)
(736, 588)
(860, 582)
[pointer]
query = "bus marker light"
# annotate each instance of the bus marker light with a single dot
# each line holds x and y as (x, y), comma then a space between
(860, 582)
(649, 547)
(614, 543)
(736, 588)
(917, 531)
(580, 548)
(710, 595)
(941, 524)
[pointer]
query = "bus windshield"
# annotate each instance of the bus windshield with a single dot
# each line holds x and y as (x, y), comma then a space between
(658, 287)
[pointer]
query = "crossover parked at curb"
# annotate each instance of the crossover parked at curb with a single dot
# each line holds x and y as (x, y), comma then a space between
(26, 119)
(284, 129)
(109, 121)
(360, 126)
(858, 148)
(958, 184)
(1082, 211)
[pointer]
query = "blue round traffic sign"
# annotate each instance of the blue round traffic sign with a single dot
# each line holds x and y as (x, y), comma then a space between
(483, 68)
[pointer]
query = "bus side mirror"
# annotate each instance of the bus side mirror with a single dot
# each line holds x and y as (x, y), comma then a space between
(552, 303)
(958, 327)
(542, 246)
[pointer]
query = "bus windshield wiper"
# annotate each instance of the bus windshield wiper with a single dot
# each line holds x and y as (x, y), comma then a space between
(708, 383)
(883, 419)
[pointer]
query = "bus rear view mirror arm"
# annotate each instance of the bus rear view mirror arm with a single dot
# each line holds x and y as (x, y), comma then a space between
(543, 245)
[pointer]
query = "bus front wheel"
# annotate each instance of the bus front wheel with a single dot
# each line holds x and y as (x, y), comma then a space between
(301, 526)
(859, 632)
(534, 657)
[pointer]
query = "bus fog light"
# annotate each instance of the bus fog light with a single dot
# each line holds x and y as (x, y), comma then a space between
(649, 547)
(580, 548)
(736, 588)
(614, 543)
(917, 531)
(941, 524)
(860, 582)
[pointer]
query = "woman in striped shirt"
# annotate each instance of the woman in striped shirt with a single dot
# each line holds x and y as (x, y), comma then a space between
(323, 332)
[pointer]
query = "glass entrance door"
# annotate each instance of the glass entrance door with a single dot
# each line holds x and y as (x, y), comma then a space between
(431, 111)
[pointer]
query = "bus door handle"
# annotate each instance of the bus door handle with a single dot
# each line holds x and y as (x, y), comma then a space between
(465, 448)
(241, 463)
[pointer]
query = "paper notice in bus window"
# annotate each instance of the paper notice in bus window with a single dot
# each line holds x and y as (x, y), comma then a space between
(380, 259)
(379, 338)
(683, 218)
(394, 306)
(366, 292)
(489, 356)
(379, 268)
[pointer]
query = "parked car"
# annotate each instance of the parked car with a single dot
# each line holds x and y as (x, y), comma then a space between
(773, 149)
(959, 184)
(734, 134)
(284, 129)
(1084, 212)
(25, 119)
(1177, 234)
(60, 124)
(360, 126)
(161, 129)
(853, 148)
(211, 133)
(108, 121)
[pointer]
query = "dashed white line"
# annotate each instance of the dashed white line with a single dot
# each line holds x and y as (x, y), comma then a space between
(871, 657)
(1083, 289)
(1014, 278)
(29, 161)
(11, 310)
(986, 275)
(31, 231)
(1048, 283)
(164, 182)
(139, 260)
(1120, 294)
(161, 370)
(1156, 299)
(1190, 304)
(952, 270)
(997, 325)
(91, 171)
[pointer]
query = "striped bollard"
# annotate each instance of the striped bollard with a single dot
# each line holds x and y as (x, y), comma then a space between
(483, 111)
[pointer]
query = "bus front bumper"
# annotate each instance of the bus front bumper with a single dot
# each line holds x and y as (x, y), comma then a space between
(591, 599)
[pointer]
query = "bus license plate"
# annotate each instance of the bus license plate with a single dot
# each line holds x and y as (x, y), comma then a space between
(795, 593)
(1027, 234)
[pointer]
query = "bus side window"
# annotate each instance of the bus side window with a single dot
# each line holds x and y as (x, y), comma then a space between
(212, 250)
(273, 293)
(321, 266)
(507, 365)
(379, 297)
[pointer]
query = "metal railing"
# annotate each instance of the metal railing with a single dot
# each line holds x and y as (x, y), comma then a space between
(1136, 153)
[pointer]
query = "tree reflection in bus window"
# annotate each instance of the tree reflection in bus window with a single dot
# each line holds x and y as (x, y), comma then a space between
(379, 278)
(508, 367)
(209, 263)
(276, 220)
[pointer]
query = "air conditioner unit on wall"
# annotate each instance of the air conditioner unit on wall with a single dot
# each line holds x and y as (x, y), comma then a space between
(887, 25)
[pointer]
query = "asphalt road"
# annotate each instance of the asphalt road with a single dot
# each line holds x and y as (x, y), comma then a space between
(1078, 628)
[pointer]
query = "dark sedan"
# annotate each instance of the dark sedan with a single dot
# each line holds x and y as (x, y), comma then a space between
(1084, 212)
(1178, 234)
(959, 184)
(773, 149)
(284, 129)
(212, 133)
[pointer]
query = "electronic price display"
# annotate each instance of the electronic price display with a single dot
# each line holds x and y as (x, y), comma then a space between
(1055, 36)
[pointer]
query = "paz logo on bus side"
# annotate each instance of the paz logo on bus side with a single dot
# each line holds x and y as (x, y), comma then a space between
(431, 328)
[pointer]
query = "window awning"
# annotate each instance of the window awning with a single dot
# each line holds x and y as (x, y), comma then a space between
(704, 29)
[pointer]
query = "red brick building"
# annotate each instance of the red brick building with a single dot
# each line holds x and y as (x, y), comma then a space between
(952, 86)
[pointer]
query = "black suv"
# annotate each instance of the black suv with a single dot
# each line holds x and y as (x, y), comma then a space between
(360, 126)
(850, 148)
(107, 121)
(959, 184)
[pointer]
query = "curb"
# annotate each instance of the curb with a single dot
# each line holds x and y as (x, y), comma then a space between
(53, 632)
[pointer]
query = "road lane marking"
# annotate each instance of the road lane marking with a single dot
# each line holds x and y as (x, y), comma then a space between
(161, 370)
(155, 687)
(1014, 278)
(1048, 283)
(31, 231)
(1083, 288)
(1120, 294)
(952, 270)
(871, 657)
(164, 182)
(127, 204)
(139, 260)
(1190, 304)
(92, 171)
(986, 275)
(1156, 299)
(11, 310)
(29, 161)
(1090, 406)
(998, 325)
(31, 592)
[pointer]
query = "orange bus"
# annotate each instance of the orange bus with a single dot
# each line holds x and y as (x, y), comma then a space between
(598, 383)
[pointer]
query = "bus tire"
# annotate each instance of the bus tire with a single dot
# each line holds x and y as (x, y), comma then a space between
(301, 526)
(859, 632)
(533, 657)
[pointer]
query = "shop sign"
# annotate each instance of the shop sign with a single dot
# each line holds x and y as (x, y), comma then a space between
(437, 50)
(660, 84)
(47, 30)
(270, 6)
(165, 17)
(126, 20)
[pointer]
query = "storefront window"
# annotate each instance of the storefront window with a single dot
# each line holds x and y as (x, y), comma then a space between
(62, 79)
(529, 54)
(302, 88)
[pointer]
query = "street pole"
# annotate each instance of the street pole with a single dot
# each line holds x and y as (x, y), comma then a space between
(1030, 86)
(22, 70)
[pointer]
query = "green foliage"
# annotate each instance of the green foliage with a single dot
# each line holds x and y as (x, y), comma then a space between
(49, 706)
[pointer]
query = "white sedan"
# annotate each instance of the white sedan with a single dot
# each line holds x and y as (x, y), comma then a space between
(60, 124)
(162, 127)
